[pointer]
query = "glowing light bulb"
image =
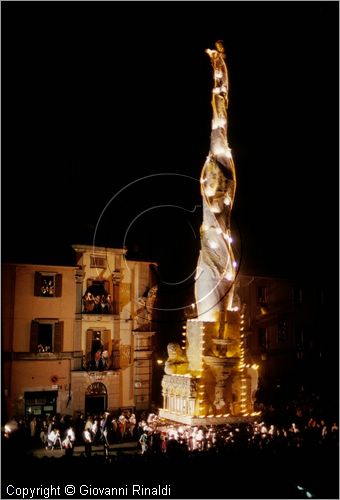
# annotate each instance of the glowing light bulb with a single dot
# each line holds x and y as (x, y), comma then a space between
(229, 277)
(234, 264)
(218, 123)
(227, 237)
(209, 191)
(227, 201)
(218, 150)
(212, 244)
(215, 209)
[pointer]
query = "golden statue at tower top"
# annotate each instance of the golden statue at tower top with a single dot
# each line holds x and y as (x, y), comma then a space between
(216, 269)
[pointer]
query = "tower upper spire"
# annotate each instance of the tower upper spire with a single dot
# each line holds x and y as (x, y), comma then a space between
(216, 265)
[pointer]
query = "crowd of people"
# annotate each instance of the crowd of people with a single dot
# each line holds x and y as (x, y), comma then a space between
(97, 303)
(152, 434)
(302, 451)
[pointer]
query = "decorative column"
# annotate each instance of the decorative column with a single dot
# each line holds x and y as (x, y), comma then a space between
(79, 276)
(142, 368)
(116, 279)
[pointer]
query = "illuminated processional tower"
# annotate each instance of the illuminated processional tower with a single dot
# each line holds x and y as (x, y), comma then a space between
(209, 382)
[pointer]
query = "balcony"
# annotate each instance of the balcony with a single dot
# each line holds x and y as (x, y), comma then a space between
(19, 356)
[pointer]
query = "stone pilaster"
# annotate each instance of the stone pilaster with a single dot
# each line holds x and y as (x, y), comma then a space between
(142, 368)
(79, 276)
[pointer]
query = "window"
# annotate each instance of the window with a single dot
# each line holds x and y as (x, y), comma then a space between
(98, 349)
(263, 338)
(46, 336)
(97, 298)
(282, 331)
(96, 261)
(262, 294)
(47, 284)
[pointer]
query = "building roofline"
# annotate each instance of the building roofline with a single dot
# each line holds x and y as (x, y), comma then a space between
(51, 266)
(262, 276)
(94, 248)
(143, 261)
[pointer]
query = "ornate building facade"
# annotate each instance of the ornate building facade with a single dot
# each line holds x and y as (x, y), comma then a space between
(78, 338)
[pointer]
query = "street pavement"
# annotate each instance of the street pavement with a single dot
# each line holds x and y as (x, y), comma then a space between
(125, 448)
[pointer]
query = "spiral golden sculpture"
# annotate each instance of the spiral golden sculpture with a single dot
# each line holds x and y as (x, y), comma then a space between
(216, 268)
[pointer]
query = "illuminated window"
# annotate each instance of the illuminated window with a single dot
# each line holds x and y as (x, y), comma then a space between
(97, 298)
(46, 336)
(98, 349)
(47, 284)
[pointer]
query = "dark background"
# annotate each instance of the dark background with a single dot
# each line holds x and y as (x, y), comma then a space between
(98, 95)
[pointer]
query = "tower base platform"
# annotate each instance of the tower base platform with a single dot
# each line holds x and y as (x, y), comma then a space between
(213, 420)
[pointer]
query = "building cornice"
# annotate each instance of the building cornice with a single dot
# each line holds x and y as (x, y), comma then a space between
(99, 250)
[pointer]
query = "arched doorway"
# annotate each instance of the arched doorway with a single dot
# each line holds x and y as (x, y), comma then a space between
(96, 398)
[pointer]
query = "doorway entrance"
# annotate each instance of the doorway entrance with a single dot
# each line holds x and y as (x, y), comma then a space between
(96, 398)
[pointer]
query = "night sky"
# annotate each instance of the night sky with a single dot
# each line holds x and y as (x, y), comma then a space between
(98, 95)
